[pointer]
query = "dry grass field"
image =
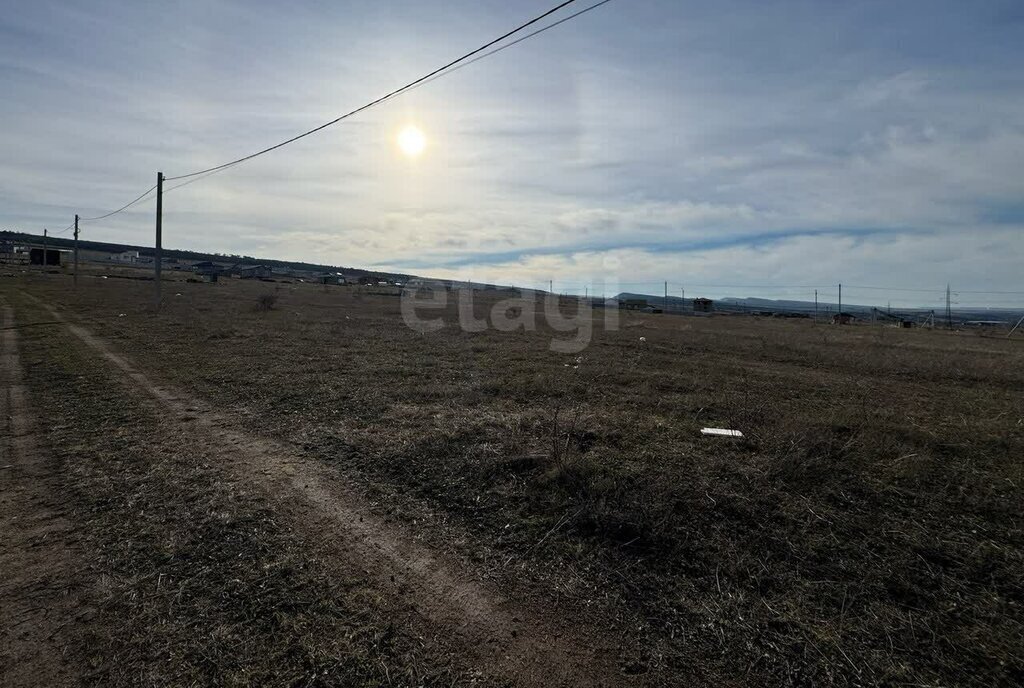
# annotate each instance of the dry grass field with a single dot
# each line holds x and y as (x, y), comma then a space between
(866, 530)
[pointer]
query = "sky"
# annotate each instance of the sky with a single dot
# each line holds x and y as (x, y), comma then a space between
(730, 148)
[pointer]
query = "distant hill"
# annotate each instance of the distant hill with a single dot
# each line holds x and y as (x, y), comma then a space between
(673, 304)
(179, 254)
(783, 306)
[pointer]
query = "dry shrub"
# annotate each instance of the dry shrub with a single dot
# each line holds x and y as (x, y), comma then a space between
(266, 302)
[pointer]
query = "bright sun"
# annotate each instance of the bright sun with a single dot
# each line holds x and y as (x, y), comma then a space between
(412, 141)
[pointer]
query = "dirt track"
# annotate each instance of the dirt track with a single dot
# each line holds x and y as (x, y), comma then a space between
(38, 596)
(428, 593)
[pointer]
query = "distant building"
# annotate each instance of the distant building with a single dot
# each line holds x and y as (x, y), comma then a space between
(702, 305)
(254, 272)
(208, 269)
(332, 278)
(125, 257)
(634, 304)
(52, 257)
(843, 318)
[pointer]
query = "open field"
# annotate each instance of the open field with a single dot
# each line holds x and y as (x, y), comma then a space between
(311, 493)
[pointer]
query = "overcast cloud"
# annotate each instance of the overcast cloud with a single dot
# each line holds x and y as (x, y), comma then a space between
(704, 143)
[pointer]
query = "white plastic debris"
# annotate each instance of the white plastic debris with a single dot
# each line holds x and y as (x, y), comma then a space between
(643, 339)
(721, 432)
(120, 315)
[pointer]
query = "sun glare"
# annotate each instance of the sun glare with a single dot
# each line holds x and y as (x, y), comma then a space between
(412, 141)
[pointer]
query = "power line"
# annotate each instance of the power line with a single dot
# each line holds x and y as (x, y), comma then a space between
(437, 73)
(200, 175)
(121, 209)
(63, 230)
(963, 291)
(856, 286)
(509, 45)
(372, 103)
(192, 181)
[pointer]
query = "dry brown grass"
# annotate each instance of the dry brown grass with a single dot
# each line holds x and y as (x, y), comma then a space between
(867, 530)
(188, 582)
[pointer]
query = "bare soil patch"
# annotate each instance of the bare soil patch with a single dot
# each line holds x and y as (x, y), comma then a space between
(40, 589)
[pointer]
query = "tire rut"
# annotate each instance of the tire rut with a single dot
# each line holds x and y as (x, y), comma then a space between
(39, 590)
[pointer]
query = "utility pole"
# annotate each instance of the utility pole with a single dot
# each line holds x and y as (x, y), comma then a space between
(76, 251)
(840, 316)
(159, 234)
(949, 311)
(551, 286)
(665, 306)
(815, 304)
(44, 250)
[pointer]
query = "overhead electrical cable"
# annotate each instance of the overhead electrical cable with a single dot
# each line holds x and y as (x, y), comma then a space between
(452, 66)
(372, 103)
(63, 230)
(509, 45)
(411, 87)
(121, 209)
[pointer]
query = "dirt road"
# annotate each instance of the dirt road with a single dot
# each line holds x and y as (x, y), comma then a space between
(427, 593)
(38, 560)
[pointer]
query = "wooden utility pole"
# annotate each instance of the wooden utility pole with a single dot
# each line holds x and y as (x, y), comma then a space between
(159, 234)
(840, 316)
(44, 250)
(949, 311)
(76, 251)
(665, 305)
(815, 304)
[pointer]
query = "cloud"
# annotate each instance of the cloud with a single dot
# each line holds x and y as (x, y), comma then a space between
(898, 88)
(779, 142)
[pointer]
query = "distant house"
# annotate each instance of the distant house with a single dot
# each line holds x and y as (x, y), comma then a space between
(702, 305)
(843, 318)
(634, 304)
(332, 278)
(254, 272)
(125, 257)
(208, 269)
